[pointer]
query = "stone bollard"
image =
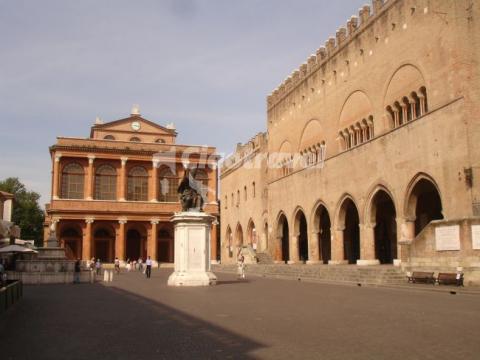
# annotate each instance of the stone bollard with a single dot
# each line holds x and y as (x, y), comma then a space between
(92, 277)
(105, 276)
(110, 276)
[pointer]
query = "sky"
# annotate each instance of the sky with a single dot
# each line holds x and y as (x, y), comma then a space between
(205, 65)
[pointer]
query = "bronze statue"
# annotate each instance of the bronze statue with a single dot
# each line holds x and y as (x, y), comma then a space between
(190, 191)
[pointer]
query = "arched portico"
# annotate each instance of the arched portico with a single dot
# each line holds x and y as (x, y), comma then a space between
(347, 233)
(382, 219)
(320, 244)
(252, 235)
(71, 240)
(238, 239)
(299, 243)
(282, 250)
(135, 243)
(104, 243)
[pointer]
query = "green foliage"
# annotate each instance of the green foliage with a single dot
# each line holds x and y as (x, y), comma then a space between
(26, 211)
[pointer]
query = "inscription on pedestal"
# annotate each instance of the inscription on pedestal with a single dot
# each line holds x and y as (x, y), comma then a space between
(447, 238)
(476, 237)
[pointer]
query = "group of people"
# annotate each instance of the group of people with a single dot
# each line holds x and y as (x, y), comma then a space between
(136, 265)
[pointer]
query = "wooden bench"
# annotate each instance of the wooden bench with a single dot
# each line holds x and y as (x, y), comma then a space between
(450, 279)
(422, 277)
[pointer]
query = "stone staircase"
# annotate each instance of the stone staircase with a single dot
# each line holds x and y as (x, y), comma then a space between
(339, 274)
(264, 258)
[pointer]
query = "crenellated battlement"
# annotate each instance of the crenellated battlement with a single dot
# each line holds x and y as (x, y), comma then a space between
(243, 151)
(343, 36)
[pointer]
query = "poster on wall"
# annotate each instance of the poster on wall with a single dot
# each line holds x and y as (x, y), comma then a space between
(447, 238)
(476, 237)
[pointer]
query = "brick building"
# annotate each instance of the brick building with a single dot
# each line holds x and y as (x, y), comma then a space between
(371, 151)
(113, 194)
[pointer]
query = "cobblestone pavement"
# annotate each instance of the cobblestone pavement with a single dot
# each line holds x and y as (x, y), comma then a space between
(139, 318)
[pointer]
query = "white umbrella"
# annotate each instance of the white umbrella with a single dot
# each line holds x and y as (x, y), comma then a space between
(16, 249)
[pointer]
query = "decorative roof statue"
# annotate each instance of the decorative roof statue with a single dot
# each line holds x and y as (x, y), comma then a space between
(191, 192)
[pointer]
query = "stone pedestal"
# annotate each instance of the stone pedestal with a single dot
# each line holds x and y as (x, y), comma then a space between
(192, 250)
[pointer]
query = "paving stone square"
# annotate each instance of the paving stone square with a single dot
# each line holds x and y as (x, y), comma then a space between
(139, 318)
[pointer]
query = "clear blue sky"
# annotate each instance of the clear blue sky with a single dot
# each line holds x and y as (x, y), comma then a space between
(206, 65)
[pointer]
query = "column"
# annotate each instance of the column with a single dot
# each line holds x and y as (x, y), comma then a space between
(89, 178)
(404, 112)
(152, 240)
(213, 243)
(56, 177)
(294, 258)
(154, 181)
(314, 248)
(407, 235)
(87, 239)
(396, 117)
(338, 256)
(120, 240)
(367, 245)
(278, 250)
(422, 104)
(123, 180)
(413, 109)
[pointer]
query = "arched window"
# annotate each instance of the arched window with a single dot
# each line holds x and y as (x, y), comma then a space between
(109, 137)
(245, 193)
(73, 178)
(238, 198)
(137, 184)
(168, 185)
(253, 189)
(232, 200)
(160, 141)
(106, 183)
(135, 139)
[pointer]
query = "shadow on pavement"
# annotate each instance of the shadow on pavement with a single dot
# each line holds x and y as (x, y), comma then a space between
(98, 322)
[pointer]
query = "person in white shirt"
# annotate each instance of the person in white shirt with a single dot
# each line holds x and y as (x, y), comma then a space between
(148, 271)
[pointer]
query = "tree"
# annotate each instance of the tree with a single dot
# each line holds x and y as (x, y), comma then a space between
(26, 211)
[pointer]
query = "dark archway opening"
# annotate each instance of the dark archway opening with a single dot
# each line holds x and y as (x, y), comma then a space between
(72, 241)
(133, 248)
(428, 206)
(285, 242)
(385, 228)
(351, 234)
(324, 236)
(165, 247)
(103, 245)
(302, 238)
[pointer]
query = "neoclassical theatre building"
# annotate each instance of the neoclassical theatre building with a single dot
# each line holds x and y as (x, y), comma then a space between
(371, 154)
(113, 194)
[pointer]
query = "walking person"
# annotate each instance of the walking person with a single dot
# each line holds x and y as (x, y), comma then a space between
(117, 266)
(148, 271)
(140, 264)
(98, 266)
(241, 267)
(76, 272)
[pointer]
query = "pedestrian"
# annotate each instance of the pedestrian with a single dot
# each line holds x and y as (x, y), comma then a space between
(92, 265)
(148, 271)
(2, 272)
(140, 264)
(117, 265)
(76, 273)
(98, 266)
(129, 265)
(241, 267)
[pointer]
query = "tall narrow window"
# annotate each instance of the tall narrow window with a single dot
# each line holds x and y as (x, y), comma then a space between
(73, 178)
(253, 189)
(245, 193)
(106, 183)
(137, 187)
(168, 184)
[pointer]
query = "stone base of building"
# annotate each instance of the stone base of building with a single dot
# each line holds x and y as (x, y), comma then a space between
(192, 250)
(278, 262)
(397, 262)
(337, 262)
(368, 262)
(313, 262)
